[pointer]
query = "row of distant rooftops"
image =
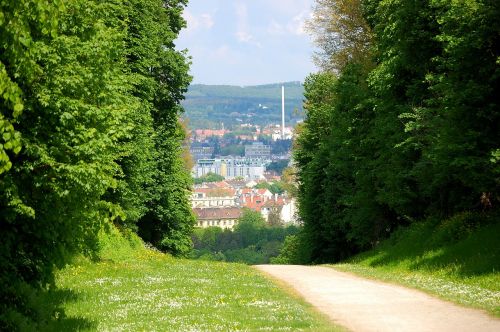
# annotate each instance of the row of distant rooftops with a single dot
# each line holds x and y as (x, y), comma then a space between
(225, 207)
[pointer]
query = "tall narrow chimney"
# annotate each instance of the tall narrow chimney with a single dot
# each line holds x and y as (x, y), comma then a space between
(282, 112)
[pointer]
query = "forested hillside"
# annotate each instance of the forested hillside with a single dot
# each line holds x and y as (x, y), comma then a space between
(401, 123)
(207, 106)
(90, 99)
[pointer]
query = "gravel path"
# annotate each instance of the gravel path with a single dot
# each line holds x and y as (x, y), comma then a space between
(366, 305)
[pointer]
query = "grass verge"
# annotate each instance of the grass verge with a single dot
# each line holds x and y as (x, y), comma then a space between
(464, 269)
(134, 288)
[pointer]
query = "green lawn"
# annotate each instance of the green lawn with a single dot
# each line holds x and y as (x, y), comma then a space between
(464, 270)
(137, 289)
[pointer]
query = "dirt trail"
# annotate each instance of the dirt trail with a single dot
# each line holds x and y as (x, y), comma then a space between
(366, 305)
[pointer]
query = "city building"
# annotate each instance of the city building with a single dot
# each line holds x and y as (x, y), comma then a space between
(213, 197)
(219, 204)
(247, 168)
(278, 133)
(285, 207)
(201, 152)
(230, 168)
(223, 217)
(205, 166)
(258, 150)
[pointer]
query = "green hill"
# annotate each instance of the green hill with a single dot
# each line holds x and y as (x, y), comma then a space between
(207, 106)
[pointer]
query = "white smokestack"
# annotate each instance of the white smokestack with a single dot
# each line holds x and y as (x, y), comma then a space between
(282, 112)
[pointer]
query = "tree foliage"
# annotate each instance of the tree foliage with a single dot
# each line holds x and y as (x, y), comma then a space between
(403, 126)
(276, 187)
(209, 177)
(89, 99)
(279, 165)
(340, 32)
(252, 241)
(161, 73)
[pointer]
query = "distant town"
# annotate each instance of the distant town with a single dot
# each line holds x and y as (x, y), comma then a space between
(242, 168)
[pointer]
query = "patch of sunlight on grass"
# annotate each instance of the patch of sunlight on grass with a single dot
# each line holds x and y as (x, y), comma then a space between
(155, 292)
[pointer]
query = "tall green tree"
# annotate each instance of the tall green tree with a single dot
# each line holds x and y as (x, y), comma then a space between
(404, 48)
(334, 145)
(341, 34)
(162, 78)
(457, 126)
(22, 23)
(399, 130)
(90, 136)
(249, 226)
(75, 95)
(336, 188)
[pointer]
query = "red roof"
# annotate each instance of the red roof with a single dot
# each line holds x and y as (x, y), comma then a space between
(246, 190)
(221, 184)
(263, 191)
(255, 203)
(272, 203)
(259, 201)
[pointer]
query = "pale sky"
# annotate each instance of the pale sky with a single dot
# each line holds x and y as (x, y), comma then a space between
(247, 42)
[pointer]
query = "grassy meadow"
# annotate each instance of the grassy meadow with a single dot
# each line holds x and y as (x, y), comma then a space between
(459, 265)
(132, 288)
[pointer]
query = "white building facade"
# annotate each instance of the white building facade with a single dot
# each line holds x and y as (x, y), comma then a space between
(247, 168)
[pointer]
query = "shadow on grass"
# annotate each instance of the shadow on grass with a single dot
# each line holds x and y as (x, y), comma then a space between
(55, 299)
(427, 246)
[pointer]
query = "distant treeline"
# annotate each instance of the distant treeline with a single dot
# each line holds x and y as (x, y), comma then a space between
(402, 122)
(89, 135)
(207, 106)
(293, 91)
